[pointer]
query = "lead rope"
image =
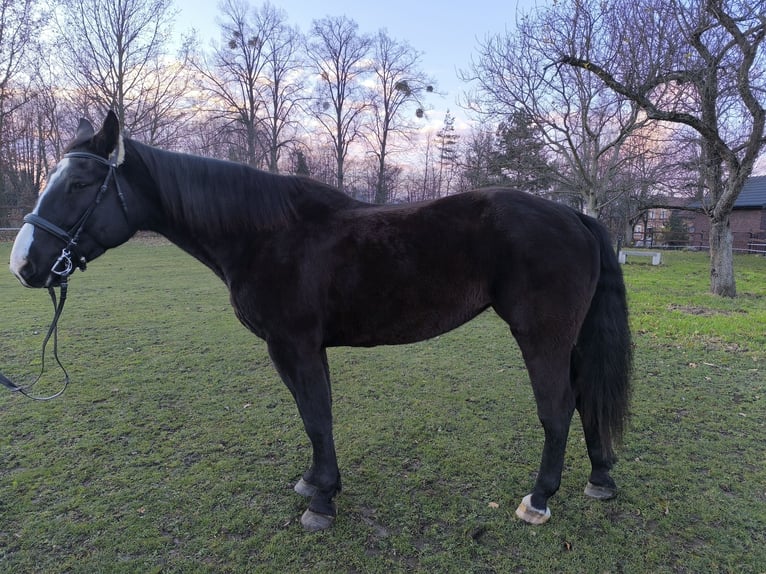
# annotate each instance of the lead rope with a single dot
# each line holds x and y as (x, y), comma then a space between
(58, 307)
(64, 266)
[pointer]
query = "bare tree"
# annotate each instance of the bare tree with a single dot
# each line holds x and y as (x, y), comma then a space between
(339, 56)
(115, 55)
(253, 83)
(20, 23)
(425, 182)
(284, 91)
(397, 101)
(19, 26)
(164, 109)
(583, 124)
(233, 76)
(697, 63)
(479, 151)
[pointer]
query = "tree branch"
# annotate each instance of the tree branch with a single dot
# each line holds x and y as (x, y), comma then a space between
(642, 99)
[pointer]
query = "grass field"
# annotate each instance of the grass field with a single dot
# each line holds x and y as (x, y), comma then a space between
(176, 446)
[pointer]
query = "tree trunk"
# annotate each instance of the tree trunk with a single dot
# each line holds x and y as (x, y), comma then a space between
(628, 233)
(381, 195)
(722, 258)
(274, 150)
(591, 205)
(339, 176)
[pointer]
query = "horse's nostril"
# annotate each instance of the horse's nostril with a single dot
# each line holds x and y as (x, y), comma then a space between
(25, 273)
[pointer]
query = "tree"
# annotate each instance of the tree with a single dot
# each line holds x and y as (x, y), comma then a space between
(19, 26)
(583, 125)
(20, 23)
(424, 184)
(163, 113)
(114, 54)
(233, 78)
(520, 159)
(22, 158)
(447, 149)
(284, 90)
(675, 233)
(300, 166)
(399, 86)
(479, 155)
(694, 63)
(339, 56)
(250, 79)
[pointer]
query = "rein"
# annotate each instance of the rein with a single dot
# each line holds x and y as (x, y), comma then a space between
(58, 307)
(69, 260)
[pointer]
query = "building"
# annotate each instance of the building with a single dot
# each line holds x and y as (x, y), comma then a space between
(648, 230)
(748, 221)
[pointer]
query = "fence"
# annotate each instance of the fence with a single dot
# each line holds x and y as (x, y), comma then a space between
(744, 242)
(8, 233)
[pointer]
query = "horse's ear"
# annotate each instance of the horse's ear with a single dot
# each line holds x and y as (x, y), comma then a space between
(108, 141)
(84, 130)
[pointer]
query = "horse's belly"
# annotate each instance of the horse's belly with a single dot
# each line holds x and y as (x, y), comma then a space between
(397, 321)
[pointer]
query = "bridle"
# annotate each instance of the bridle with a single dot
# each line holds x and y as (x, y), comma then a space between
(69, 260)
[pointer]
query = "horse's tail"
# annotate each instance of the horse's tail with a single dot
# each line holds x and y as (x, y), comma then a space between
(603, 356)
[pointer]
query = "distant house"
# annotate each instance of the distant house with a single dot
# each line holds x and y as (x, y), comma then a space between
(748, 221)
(648, 230)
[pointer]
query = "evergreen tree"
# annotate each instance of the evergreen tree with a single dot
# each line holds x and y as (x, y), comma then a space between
(520, 157)
(674, 232)
(301, 165)
(479, 166)
(447, 148)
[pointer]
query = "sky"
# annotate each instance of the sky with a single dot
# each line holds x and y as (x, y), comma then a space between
(448, 37)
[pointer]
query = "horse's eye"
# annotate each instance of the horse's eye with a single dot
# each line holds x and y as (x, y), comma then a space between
(77, 185)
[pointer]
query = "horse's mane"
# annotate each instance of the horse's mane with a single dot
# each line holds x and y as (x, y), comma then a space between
(222, 197)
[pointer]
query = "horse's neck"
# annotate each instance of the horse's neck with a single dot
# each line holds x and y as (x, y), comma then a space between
(163, 167)
(156, 173)
(218, 210)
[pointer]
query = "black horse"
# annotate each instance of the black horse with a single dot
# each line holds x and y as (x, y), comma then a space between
(309, 268)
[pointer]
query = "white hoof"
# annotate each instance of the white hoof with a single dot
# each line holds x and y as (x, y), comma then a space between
(314, 522)
(305, 489)
(530, 514)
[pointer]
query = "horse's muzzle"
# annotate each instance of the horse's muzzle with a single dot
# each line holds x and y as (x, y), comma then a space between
(30, 276)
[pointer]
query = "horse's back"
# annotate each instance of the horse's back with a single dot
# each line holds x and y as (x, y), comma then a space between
(399, 274)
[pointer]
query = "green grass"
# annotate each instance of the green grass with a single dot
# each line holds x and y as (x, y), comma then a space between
(176, 446)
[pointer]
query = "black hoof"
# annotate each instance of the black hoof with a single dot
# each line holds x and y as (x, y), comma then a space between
(314, 522)
(305, 489)
(600, 492)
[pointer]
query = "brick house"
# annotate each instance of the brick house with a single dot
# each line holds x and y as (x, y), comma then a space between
(748, 221)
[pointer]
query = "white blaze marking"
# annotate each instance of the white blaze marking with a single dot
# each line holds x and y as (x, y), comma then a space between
(20, 250)
(26, 236)
(57, 172)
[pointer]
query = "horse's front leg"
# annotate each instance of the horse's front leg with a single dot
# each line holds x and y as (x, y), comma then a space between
(306, 375)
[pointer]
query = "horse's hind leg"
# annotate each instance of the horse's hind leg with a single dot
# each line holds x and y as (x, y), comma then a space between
(306, 375)
(600, 484)
(549, 373)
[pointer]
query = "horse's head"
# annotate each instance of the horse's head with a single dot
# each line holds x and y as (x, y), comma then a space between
(80, 213)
